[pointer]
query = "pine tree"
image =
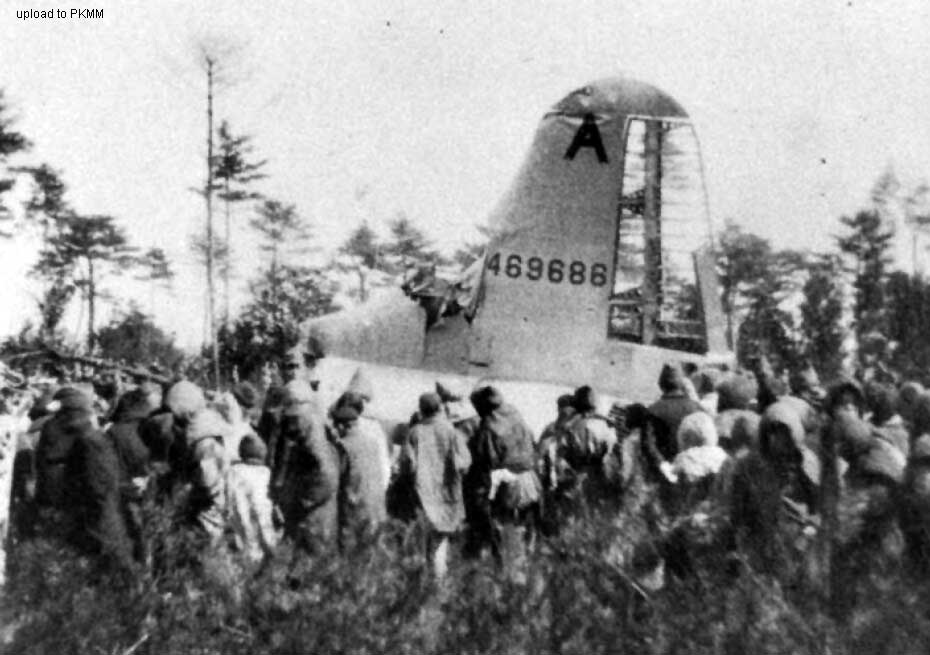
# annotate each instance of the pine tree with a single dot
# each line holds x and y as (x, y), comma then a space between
(233, 175)
(821, 313)
(867, 251)
(11, 143)
(283, 232)
(85, 250)
(742, 263)
(364, 253)
(408, 247)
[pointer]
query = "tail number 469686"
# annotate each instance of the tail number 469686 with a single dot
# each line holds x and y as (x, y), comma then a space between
(555, 271)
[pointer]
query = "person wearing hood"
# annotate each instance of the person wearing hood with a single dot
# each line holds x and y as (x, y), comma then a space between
(307, 483)
(505, 460)
(437, 455)
(133, 457)
(736, 393)
(164, 433)
(774, 493)
(207, 465)
(867, 539)
(365, 468)
(698, 461)
(665, 416)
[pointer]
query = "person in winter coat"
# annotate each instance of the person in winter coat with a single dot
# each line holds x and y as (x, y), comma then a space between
(587, 441)
(665, 415)
(207, 465)
(307, 484)
(249, 504)
(133, 458)
(868, 539)
(915, 508)
(164, 433)
(774, 495)
(363, 487)
(697, 463)
(93, 481)
(459, 411)
(73, 417)
(438, 456)
(505, 460)
(374, 435)
(736, 394)
(550, 466)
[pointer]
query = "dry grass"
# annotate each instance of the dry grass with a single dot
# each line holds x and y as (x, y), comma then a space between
(578, 598)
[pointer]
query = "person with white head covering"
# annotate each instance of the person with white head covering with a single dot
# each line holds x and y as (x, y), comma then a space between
(250, 507)
(699, 454)
(207, 466)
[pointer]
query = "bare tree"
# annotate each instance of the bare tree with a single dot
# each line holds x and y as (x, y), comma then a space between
(216, 57)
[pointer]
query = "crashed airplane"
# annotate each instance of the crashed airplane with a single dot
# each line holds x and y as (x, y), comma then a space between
(599, 269)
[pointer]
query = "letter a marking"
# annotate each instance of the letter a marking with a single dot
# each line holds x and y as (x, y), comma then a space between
(587, 136)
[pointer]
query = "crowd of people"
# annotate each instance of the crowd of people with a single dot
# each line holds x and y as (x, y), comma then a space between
(765, 466)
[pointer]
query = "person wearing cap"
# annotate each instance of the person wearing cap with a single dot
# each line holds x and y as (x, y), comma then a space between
(438, 456)
(665, 415)
(548, 463)
(78, 481)
(250, 506)
(584, 444)
(95, 508)
(359, 395)
(363, 487)
(459, 411)
(505, 458)
(306, 484)
(72, 417)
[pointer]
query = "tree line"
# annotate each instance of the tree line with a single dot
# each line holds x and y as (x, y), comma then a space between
(80, 254)
(834, 309)
(793, 306)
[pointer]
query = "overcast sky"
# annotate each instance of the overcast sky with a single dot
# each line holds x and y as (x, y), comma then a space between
(365, 109)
